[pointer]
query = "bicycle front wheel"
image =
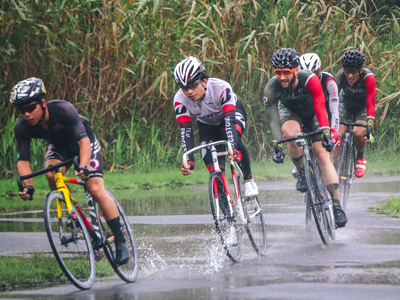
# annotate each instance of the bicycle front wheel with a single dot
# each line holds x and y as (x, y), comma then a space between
(316, 201)
(69, 240)
(129, 271)
(255, 226)
(225, 218)
(346, 171)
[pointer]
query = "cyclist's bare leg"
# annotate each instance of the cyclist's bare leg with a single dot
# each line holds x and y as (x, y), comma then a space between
(328, 171)
(322, 157)
(360, 140)
(95, 186)
(291, 128)
(50, 175)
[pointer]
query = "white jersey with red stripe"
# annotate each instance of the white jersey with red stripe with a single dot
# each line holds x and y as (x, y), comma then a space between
(219, 100)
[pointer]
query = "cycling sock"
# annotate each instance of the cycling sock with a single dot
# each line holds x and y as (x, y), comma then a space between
(336, 203)
(360, 155)
(333, 190)
(116, 228)
(298, 162)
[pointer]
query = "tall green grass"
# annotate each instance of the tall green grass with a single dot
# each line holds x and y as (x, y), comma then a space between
(114, 61)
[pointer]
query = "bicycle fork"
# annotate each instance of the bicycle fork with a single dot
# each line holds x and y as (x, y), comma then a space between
(236, 204)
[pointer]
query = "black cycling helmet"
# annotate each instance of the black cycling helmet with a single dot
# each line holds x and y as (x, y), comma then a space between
(27, 91)
(353, 59)
(285, 58)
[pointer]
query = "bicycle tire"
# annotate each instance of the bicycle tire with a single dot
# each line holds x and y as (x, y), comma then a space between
(316, 201)
(346, 172)
(70, 242)
(225, 219)
(129, 271)
(255, 226)
(253, 213)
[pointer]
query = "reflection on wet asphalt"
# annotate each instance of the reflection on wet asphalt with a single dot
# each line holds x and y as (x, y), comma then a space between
(181, 257)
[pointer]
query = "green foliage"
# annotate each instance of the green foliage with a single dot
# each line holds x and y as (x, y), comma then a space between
(392, 207)
(114, 61)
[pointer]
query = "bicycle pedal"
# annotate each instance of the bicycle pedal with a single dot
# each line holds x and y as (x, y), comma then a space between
(97, 245)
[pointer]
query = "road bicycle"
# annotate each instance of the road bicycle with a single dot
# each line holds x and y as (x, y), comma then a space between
(317, 198)
(76, 240)
(231, 210)
(346, 165)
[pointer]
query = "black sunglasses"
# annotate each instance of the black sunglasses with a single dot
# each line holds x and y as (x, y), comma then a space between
(190, 86)
(28, 108)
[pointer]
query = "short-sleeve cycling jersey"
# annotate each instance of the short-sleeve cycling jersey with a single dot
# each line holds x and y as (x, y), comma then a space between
(65, 128)
(331, 93)
(360, 95)
(217, 106)
(307, 100)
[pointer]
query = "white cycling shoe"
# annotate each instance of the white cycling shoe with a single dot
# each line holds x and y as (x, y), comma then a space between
(250, 188)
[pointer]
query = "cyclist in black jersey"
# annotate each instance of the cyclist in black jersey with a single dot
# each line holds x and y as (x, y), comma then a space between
(69, 134)
(294, 98)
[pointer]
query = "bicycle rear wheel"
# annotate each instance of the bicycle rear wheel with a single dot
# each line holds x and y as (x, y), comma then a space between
(316, 202)
(346, 172)
(129, 271)
(70, 241)
(225, 218)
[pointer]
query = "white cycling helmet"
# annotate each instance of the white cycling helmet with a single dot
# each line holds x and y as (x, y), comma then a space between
(188, 70)
(310, 62)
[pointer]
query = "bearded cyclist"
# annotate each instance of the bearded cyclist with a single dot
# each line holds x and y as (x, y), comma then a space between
(357, 102)
(294, 98)
(69, 134)
(219, 114)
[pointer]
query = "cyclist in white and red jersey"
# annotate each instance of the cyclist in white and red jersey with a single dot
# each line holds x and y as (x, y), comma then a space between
(219, 114)
(357, 101)
(312, 62)
(69, 134)
(294, 98)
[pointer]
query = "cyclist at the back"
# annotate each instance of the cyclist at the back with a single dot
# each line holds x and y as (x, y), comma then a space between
(219, 114)
(312, 62)
(69, 134)
(294, 98)
(357, 101)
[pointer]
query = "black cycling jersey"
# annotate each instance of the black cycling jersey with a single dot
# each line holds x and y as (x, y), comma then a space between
(65, 128)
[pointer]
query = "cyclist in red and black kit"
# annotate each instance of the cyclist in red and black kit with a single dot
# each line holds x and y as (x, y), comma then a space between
(219, 114)
(294, 98)
(357, 102)
(69, 134)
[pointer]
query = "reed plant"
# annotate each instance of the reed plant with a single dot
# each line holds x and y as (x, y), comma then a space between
(114, 61)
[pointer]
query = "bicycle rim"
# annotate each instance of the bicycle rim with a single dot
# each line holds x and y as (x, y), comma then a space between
(70, 242)
(255, 226)
(315, 202)
(225, 219)
(129, 271)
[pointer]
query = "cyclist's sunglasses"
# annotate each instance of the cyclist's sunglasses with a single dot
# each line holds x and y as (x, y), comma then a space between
(28, 108)
(353, 71)
(284, 72)
(191, 86)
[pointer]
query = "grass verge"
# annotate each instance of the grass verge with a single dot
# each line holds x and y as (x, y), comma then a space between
(37, 271)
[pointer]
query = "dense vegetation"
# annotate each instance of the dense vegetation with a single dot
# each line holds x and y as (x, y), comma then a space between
(114, 61)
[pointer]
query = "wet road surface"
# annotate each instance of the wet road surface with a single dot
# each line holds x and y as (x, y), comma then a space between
(181, 258)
